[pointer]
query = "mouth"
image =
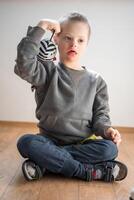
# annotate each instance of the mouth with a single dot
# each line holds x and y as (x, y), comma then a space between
(72, 52)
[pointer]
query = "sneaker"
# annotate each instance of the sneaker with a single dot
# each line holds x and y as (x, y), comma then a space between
(107, 171)
(31, 171)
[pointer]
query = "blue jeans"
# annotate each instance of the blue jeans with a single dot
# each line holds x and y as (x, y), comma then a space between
(68, 160)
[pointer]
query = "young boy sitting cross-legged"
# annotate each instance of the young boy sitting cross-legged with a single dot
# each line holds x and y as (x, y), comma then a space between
(72, 108)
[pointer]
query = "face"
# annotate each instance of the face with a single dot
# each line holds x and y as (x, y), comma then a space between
(72, 41)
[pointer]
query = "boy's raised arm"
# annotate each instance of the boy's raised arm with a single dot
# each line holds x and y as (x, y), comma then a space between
(27, 66)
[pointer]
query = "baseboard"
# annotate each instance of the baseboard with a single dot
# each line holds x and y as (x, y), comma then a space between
(18, 123)
(122, 129)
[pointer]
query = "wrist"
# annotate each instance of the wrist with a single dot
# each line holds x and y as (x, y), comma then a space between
(109, 129)
(42, 25)
(107, 132)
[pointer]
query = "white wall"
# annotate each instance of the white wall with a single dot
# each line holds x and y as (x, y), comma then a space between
(110, 52)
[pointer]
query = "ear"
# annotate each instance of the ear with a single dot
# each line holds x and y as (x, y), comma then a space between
(56, 39)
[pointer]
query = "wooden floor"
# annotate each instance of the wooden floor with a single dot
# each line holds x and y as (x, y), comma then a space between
(13, 186)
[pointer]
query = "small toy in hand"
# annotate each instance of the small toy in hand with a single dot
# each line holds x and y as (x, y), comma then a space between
(132, 194)
(47, 49)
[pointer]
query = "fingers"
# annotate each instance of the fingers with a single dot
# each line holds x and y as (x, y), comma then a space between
(48, 24)
(53, 26)
(116, 137)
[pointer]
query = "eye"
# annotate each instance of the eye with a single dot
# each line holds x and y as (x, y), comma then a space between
(67, 38)
(80, 40)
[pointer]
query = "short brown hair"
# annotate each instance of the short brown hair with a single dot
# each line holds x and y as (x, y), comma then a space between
(75, 17)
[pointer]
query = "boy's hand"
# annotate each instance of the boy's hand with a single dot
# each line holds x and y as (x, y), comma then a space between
(114, 135)
(48, 24)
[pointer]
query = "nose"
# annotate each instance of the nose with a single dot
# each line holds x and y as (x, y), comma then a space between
(74, 43)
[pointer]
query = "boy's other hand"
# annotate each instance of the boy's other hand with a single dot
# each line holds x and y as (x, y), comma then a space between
(114, 135)
(48, 24)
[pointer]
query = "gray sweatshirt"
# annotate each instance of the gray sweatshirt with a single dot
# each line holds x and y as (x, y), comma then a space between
(71, 104)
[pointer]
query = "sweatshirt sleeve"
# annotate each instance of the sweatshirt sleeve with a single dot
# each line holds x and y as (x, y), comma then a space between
(27, 66)
(101, 120)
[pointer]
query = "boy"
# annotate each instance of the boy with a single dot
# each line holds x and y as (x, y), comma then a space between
(72, 105)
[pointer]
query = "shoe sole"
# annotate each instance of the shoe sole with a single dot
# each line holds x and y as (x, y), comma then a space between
(108, 171)
(27, 175)
(122, 172)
